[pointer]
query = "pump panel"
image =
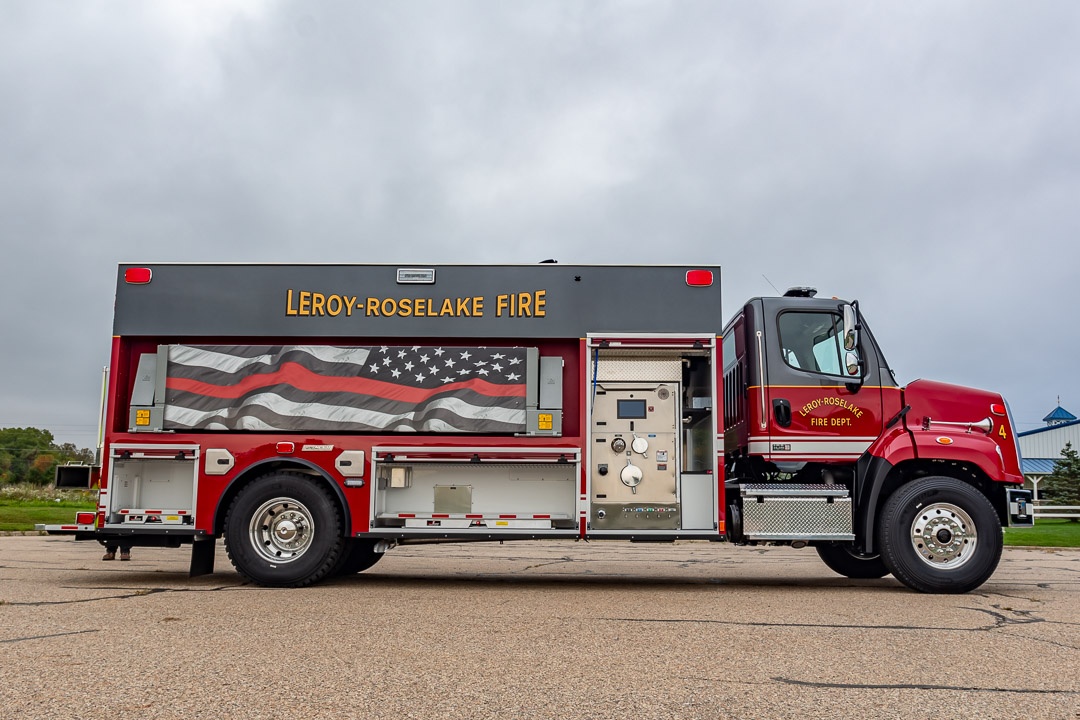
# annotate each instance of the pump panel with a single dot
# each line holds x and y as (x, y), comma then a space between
(635, 457)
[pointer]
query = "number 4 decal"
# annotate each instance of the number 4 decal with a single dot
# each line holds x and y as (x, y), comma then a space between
(1002, 433)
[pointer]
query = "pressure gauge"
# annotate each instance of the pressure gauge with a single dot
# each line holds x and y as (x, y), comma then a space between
(618, 445)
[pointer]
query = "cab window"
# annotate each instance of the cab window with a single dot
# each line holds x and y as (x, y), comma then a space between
(810, 341)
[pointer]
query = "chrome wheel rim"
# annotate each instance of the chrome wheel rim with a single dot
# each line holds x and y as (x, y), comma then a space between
(943, 536)
(281, 530)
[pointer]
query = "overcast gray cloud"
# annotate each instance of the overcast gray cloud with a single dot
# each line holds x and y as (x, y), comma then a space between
(922, 157)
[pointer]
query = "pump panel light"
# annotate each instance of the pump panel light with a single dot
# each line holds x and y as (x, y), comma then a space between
(699, 278)
(138, 276)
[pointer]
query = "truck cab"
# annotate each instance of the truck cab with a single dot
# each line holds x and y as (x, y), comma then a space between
(818, 432)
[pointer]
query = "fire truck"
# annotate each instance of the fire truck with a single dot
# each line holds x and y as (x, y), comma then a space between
(316, 416)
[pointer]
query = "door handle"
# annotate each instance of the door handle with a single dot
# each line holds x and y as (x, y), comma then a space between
(782, 412)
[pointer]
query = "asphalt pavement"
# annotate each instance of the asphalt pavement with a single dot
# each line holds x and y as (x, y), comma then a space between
(554, 629)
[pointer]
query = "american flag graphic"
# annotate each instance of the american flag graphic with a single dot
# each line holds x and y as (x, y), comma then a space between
(345, 389)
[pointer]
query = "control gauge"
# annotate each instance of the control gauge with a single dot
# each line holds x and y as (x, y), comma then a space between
(618, 445)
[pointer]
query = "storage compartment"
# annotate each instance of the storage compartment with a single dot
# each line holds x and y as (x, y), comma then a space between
(481, 492)
(796, 512)
(152, 484)
(651, 444)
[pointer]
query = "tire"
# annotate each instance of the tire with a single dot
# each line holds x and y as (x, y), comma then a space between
(940, 535)
(284, 530)
(842, 560)
(358, 555)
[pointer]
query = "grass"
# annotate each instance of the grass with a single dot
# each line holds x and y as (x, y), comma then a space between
(23, 506)
(1048, 532)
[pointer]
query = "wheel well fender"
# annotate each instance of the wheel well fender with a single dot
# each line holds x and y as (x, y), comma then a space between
(265, 467)
(876, 479)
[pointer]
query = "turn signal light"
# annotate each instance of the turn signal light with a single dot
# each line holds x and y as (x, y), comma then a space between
(137, 276)
(699, 278)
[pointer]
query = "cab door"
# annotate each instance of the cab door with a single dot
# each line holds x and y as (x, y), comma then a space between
(816, 412)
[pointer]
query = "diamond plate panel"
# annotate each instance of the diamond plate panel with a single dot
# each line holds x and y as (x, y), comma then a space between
(639, 369)
(795, 518)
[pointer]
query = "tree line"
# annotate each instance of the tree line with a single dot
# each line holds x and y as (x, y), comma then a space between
(30, 455)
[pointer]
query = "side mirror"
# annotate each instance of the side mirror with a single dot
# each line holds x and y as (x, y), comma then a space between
(851, 334)
(852, 362)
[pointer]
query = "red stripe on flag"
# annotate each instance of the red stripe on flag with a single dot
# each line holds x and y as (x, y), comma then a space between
(299, 377)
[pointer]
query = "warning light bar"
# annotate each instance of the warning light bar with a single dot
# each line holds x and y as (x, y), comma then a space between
(137, 276)
(699, 278)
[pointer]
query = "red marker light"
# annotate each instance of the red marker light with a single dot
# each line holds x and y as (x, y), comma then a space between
(85, 518)
(997, 409)
(137, 276)
(286, 448)
(699, 278)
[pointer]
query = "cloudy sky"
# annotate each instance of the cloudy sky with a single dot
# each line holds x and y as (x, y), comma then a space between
(922, 157)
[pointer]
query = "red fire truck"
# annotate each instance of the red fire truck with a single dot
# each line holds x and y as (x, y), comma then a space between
(316, 416)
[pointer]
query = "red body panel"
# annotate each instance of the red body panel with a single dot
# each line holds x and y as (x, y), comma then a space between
(936, 429)
(829, 423)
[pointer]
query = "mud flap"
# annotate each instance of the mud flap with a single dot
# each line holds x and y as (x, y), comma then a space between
(202, 557)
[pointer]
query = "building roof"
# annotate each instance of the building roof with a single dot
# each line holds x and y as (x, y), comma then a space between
(1037, 466)
(1059, 414)
(1048, 428)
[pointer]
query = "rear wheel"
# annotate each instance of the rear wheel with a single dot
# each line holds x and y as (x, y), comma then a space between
(284, 530)
(843, 560)
(940, 535)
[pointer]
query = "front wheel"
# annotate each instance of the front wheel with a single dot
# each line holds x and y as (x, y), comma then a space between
(940, 535)
(284, 530)
(842, 559)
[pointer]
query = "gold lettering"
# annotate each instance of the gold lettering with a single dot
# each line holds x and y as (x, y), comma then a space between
(371, 307)
(447, 307)
(289, 309)
(305, 303)
(478, 306)
(333, 305)
(462, 307)
(502, 302)
(405, 307)
(390, 303)
(349, 303)
(525, 304)
(541, 303)
(317, 303)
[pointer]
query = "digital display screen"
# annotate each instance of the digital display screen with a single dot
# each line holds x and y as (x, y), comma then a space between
(631, 409)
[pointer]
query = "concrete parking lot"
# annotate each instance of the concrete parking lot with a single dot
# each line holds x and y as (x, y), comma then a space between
(532, 630)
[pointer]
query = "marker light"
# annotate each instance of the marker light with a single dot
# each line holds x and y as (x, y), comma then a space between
(85, 518)
(137, 276)
(286, 448)
(699, 278)
(997, 409)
